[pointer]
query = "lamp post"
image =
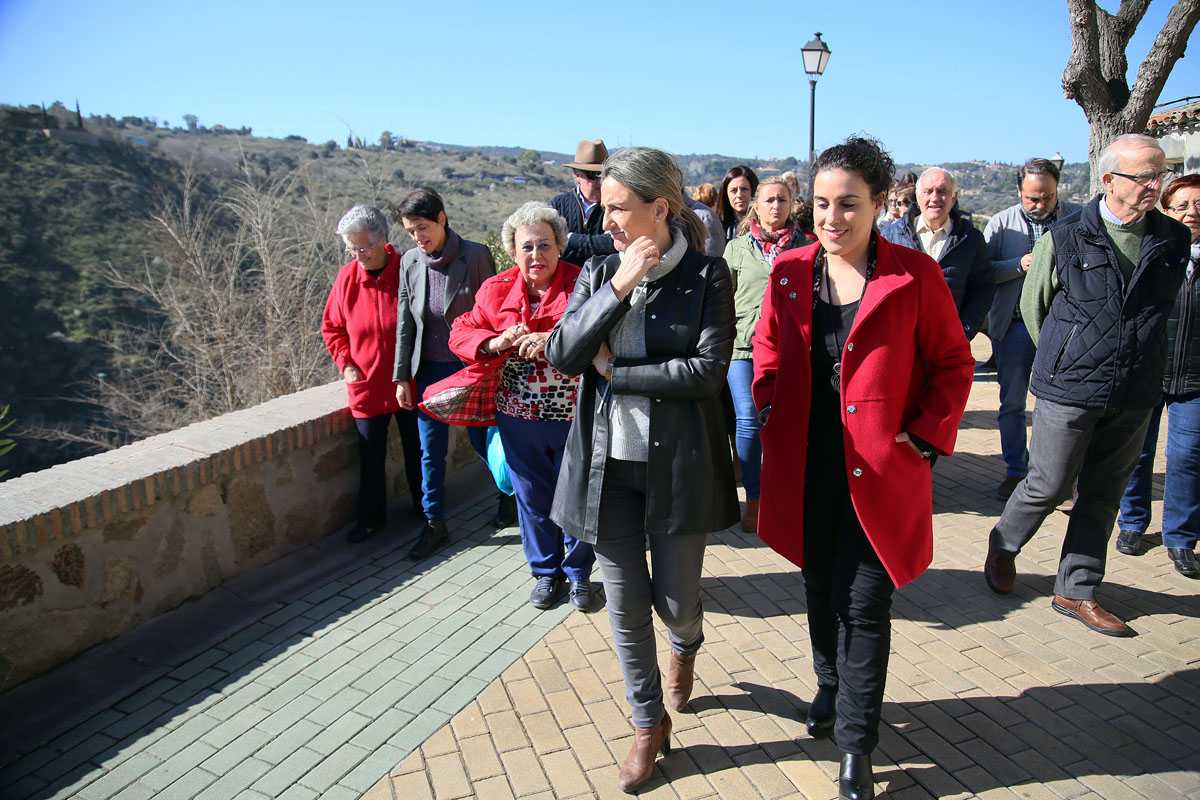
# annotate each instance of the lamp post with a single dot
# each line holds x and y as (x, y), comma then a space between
(1057, 161)
(816, 55)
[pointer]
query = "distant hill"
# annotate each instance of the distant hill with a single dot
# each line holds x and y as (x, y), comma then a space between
(76, 194)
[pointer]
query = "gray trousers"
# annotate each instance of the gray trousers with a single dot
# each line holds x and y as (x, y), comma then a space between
(669, 586)
(1099, 446)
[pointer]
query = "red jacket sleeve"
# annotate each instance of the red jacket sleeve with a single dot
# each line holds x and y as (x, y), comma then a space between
(470, 330)
(949, 364)
(333, 323)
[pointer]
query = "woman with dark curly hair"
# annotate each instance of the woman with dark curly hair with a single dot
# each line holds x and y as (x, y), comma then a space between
(733, 200)
(859, 363)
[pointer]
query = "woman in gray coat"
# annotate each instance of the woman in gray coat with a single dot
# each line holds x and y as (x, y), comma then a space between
(651, 331)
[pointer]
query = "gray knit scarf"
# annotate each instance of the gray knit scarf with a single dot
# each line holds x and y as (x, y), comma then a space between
(629, 415)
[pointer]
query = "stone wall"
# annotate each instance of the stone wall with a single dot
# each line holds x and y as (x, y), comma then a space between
(95, 547)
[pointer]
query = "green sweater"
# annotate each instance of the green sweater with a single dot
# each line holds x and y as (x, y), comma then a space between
(1041, 282)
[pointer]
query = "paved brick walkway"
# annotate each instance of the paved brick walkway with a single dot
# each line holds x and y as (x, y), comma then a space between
(349, 671)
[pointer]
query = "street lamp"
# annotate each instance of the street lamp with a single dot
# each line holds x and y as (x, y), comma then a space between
(816, 55)
(1057, 161)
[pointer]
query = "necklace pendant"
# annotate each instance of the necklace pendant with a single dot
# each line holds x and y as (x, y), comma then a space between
(836, 378)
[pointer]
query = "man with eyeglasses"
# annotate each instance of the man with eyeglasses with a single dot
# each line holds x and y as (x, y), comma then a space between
(1010, 237)
(1095, 301)
(581, 207)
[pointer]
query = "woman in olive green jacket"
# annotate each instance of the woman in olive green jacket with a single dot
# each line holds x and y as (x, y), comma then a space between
(767, 231)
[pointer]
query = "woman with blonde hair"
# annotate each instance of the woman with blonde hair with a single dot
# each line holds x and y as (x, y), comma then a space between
(651, 331)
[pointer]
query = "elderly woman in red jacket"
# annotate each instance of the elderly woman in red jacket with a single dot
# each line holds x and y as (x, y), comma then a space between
(504, 338)
(861, 364)
(359, 328)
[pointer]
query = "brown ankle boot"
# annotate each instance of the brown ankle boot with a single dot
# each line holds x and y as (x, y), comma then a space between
(750, 518)
(638, 766)
(677, 687)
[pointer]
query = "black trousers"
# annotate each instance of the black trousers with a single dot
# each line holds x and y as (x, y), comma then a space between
(372, 460)
(849, 610)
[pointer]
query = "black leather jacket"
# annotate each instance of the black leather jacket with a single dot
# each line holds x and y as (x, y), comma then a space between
(689, 341)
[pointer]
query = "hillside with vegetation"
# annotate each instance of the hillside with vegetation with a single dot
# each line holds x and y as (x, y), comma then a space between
(151, 275)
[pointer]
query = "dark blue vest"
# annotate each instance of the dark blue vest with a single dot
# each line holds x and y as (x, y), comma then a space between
(1103, 343)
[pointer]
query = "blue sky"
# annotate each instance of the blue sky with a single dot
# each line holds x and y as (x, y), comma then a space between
(935, 81)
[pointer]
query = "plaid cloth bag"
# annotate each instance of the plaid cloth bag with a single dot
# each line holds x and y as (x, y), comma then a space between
(468, 397)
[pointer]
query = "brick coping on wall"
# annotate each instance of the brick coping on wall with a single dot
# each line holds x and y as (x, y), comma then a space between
(42, 508)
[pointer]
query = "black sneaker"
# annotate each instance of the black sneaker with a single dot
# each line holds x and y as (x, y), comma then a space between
(433, 538)
(1129, 542)
(547, 592)
(581, 594)
(1184, 561)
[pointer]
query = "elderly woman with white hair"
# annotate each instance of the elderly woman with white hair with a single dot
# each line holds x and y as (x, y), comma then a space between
(503, 338)
(359, 328)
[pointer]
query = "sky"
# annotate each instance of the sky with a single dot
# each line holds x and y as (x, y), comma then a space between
(936, 82)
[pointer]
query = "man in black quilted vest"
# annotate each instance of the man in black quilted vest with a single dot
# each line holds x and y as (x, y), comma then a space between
(1095, 301)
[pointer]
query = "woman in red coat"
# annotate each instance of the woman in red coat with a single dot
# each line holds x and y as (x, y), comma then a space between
(860, 363)
(504, 337)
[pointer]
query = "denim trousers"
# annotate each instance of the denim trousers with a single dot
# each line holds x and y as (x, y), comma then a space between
(1181, 489)
(749, 446)
(534, 452)
(670, 586)
(849, 596)
(372, 461)
(435, 441)
(1014, 364)
(1101, 447)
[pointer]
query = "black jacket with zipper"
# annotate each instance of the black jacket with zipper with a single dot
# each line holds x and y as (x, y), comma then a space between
(1182, 374)
(689, 342)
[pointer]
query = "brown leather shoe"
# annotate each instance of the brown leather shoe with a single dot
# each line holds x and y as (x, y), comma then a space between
(677, 687)
(999, 570)
(638, 766)
(1090, 613)
(750, 518)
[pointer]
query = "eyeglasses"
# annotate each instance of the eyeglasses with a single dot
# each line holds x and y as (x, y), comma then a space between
(1181, 208)
(1147, 178)
(587, 176)
(359, 251)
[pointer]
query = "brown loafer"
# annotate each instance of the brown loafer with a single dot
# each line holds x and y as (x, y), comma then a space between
(1091, 614)
(999, 570)
(750, 518)
(677, 687)
(638, 766)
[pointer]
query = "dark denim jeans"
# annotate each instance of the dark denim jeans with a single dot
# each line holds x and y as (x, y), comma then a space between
(1181, 490)
(435, 441)
(1014, 363)
(372, 457)
(749, 446)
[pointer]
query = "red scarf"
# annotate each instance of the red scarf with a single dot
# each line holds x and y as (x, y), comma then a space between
(772, 244)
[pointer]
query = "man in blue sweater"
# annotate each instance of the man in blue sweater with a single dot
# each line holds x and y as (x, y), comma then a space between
(581, 207)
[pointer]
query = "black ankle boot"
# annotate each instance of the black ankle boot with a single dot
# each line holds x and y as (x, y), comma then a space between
(856, 781)
(822, 713)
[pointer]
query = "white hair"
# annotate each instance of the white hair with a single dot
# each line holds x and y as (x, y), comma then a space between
(1110, 156)
(364, 218)
(949, 174)
(528, 215)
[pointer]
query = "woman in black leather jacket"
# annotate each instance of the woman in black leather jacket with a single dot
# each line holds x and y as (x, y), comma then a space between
(651, 330)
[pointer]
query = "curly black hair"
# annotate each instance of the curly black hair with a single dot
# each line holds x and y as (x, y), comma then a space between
(865, 157)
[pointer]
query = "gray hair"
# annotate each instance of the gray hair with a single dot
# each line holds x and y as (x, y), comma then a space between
(949, 174)
(1110, 156)
(530, 214)
(651, 173)
(364, 218)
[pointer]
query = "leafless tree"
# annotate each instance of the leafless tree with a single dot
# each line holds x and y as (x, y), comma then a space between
(236, 289)
(1095, 73)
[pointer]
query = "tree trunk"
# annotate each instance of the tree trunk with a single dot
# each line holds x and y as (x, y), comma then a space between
(1095, 73)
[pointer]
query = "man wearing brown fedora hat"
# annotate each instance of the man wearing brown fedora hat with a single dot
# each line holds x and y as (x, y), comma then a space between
(581, 207)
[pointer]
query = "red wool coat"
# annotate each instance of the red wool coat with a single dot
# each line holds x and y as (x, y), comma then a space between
(906, 366)
(468, 397)
(359, 327)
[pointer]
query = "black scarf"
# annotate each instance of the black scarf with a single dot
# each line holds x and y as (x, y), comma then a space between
(444, 257)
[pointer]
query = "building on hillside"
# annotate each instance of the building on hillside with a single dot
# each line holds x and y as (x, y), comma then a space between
(1177, 127)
